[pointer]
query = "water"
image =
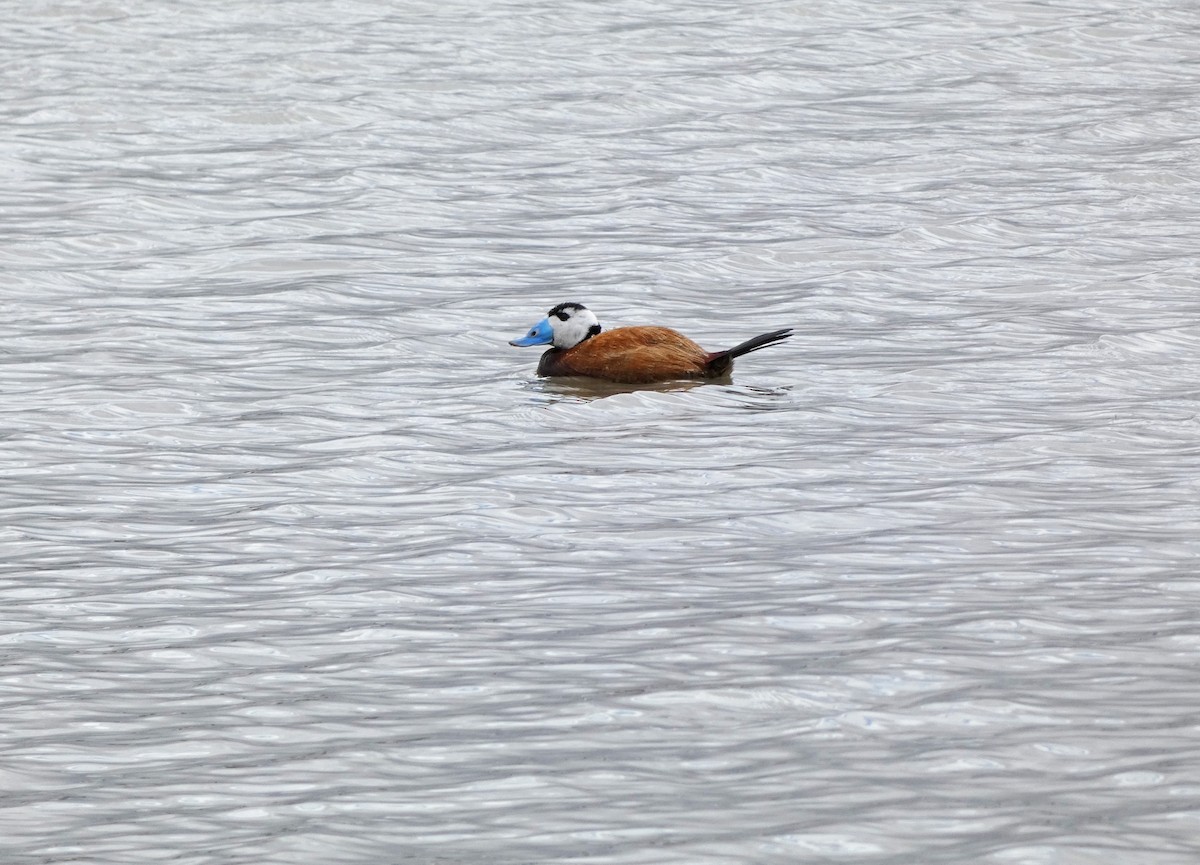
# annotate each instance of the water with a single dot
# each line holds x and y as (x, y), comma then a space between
(301, 564)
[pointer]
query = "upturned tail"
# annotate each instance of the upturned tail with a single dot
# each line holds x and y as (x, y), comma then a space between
(721, 362)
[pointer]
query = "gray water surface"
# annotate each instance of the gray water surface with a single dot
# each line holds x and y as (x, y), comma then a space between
(302, 564)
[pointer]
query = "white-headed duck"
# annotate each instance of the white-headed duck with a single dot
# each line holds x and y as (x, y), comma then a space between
(630, 355)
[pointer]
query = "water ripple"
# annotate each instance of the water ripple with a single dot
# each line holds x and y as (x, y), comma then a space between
(302, 563)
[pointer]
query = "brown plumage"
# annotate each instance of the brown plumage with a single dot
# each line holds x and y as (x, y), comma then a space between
(633, 355)
(629, 355)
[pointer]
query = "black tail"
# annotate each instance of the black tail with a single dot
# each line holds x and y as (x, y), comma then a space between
(720, 362)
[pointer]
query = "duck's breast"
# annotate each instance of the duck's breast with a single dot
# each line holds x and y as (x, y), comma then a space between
(630, 354)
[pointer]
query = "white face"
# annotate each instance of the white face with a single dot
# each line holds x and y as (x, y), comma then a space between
(572, 323)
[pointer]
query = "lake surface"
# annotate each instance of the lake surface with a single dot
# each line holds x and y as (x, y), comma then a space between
(302, 564)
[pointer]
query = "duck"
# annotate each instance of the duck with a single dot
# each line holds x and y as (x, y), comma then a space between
(642, 354)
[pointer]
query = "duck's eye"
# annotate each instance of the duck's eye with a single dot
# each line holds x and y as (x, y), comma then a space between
(562, 316)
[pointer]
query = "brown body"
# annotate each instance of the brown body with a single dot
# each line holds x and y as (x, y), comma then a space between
(644, 354)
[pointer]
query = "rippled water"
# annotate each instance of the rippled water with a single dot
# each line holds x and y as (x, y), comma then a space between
(301, 563)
